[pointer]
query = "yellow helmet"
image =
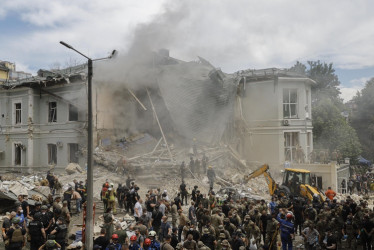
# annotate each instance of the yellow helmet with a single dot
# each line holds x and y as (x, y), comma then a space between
(210, 166)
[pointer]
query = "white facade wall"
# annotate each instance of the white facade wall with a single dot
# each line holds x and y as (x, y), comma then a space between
(262, 108)
(34, 133)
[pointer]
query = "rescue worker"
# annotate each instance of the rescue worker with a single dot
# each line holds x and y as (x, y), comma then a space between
(16, 235)
(155, 245)
(330, 193)
(108, 222)
(287, 231)
(46, 218)
(133, 244)
(103, 195)
(122, 235)
(60, 231)
(111, 198)
(114, 245)
(36, 232)
(50, 245)
(211, 176)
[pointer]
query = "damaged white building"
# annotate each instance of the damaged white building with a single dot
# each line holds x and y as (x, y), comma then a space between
(264, 115)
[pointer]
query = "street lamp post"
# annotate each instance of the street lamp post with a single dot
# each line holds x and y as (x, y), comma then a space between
(89, 206)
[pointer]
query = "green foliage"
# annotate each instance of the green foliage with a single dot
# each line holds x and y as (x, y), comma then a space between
(363, 118)
(330, 129)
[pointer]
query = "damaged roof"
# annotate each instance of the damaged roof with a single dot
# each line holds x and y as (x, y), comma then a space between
(50, 77)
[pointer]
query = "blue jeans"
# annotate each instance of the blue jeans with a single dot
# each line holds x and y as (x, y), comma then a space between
(286, 242)
(79, 204)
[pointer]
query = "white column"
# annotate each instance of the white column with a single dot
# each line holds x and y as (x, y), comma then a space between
(30, 118)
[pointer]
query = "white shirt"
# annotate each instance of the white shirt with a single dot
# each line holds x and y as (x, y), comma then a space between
(140, 209)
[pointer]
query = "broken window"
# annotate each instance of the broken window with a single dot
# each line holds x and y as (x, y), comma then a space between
(291, 142)
(17, 154)
(52, 116)
(73, 113)
(52, 154)
(290, 103)
(18, 113)
(73, 152)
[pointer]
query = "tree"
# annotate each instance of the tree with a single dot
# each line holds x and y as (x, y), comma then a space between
(327, 82)
(330, 129)
(363, 118)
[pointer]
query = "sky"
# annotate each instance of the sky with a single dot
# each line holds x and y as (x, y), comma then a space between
(232, 34)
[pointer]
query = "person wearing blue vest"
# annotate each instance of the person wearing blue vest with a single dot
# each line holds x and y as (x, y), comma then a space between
(286, 229)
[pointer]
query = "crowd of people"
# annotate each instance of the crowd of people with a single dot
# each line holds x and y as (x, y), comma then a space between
(211, 222)
(195, 220)
(361, 184)
(44, 225)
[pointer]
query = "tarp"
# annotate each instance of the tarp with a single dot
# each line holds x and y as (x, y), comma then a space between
(363, 161)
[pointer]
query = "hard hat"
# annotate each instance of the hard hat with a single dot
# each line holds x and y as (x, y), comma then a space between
(38, 203)
(44, 207)
(152, 234)
(210, 166)
(16, 220)
(115, 236)
(289, 216)
(112, 184)
(50, 243)
(133, 237)
(147, 242)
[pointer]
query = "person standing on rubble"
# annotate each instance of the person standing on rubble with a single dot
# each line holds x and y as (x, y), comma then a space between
(103, 192)
(211, 176)
(111, 196)
(51, 181)
(36, 231)
(183, 191)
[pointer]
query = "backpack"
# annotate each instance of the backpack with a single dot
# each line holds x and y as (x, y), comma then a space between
(17, 236)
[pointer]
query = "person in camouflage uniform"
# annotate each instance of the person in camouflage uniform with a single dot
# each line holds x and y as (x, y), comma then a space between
(271, 232)
(255, 233)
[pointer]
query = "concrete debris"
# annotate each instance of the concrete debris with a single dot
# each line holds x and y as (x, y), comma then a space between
(73, 168)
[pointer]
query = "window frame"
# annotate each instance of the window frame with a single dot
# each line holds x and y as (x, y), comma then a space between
(289, 104)
(52, 119)
(52, 148)
(292, 147)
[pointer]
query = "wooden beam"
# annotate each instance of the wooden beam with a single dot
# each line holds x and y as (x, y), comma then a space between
(158, 122)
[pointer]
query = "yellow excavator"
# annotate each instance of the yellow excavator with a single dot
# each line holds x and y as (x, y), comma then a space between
(296, 182)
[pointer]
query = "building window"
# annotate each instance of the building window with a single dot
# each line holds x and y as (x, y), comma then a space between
(18, 109)
(73, 113)
(73, 152)
(17, 154)
(291, 143)
(290, 103)
(52, 154)
(52, 116)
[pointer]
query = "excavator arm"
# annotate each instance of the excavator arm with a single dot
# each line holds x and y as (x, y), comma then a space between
(263, 170)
